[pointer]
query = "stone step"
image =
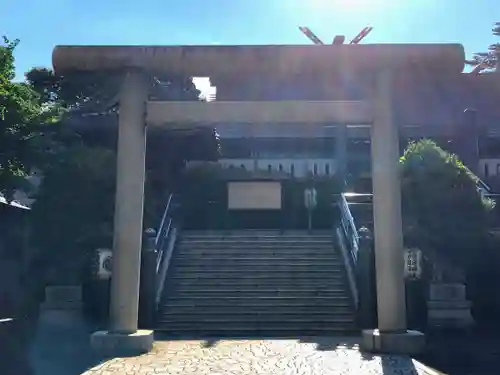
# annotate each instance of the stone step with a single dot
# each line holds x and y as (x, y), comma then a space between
(255, 235)
(275, 279)
(189, 291)
(256, 282)
(263, 248)
(272, 255)
(260, 251)
(261, 273)
(325, 234)
(276, 306)
(284, 265)
(258, 233)
(254, 242)
(244, 331)
(274, 319)
(303, 241)
(272, 251)
(310, 246)
(176, 281)
(252, 313)
(245, 300)
(275, 328)
(329, 235)
(191, 283)
(258, 268)
(255, 259)
(250, 259)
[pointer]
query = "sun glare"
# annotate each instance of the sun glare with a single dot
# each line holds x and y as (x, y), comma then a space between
(348, 5)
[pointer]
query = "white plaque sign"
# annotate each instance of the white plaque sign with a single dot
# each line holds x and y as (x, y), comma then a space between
(254, 195)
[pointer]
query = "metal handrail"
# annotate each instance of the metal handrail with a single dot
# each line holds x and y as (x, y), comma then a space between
(164, 244)
(160, 248)
(162, 272)
(163, 220)
(350, 230)
(348, 238)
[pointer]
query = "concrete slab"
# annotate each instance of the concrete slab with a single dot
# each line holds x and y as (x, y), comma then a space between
(407, 342)
(111, 343)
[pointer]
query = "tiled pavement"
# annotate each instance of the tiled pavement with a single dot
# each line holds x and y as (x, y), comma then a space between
(66, 351)
(290, 357)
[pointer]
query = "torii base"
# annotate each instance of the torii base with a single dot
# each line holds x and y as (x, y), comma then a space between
(122, 344)
(402, 342)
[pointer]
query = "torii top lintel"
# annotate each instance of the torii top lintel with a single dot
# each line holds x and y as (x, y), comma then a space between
(279, 60)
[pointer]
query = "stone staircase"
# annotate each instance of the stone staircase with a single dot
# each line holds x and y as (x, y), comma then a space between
(256, 282)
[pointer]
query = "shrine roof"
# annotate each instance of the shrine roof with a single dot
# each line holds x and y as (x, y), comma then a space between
(439, 103)
(442, 101)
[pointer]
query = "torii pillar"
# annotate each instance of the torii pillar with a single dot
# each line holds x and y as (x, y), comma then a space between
(391, 335)
(123, 335)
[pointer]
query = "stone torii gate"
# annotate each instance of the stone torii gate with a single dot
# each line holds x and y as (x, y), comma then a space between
(259, 63)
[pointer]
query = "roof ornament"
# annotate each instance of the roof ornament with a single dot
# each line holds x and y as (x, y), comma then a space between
(339, 39)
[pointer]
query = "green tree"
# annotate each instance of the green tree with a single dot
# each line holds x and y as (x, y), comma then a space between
(97, 91)
(73, 211)
(443, 211)
(22, 119)
(490, 58)
(92, 97)
(76, 196)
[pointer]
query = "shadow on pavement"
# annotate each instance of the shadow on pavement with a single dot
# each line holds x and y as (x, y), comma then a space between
(332, 343)
(463, 353)
(391, 364)
(398, 365)
(323, 343)
(63, 350)
(14, 341)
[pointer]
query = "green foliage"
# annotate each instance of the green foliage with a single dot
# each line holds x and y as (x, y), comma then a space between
(74, 90)
(96, 91)
(443, 211)
(488, 59)
(74, 207)
(73, 211)
(22, 119)
(7, 72)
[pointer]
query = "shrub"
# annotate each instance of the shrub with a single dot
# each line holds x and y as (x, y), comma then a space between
(443, 212)
(73, 212)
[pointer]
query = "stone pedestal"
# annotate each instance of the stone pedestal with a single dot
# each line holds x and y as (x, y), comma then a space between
(62, 306)
(122, 344)
(448, 307)
(398, 342)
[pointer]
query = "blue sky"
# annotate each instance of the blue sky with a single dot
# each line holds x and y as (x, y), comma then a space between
(40, 25)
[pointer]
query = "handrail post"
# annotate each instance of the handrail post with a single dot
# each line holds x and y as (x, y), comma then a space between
(148, 280)
(149, 238)
(365, 275)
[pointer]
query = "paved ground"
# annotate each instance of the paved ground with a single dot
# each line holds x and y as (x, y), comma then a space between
(308, 357)
(64, 350)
